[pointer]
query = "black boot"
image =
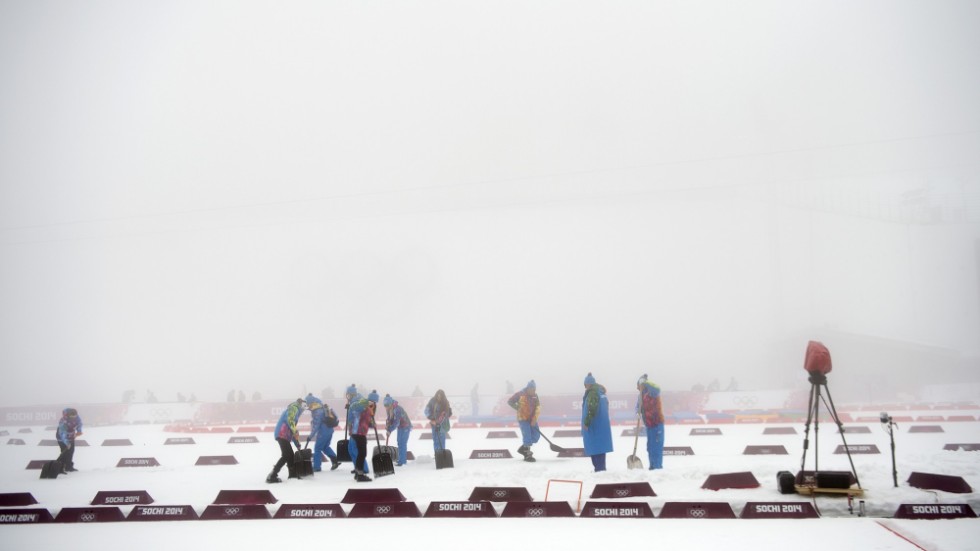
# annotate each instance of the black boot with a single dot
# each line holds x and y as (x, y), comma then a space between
(273, 478)
(523, 450)
(334, 464)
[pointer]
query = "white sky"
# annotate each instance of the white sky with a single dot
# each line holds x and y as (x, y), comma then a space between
(304, 194)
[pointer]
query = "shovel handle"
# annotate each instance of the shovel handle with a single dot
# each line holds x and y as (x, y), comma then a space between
(636, 434)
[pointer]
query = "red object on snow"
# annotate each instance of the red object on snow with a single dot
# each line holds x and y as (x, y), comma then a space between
(817, 358)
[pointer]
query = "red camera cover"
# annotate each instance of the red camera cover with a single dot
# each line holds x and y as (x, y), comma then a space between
(817, 358)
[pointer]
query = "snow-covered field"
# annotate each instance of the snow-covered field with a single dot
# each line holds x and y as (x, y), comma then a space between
(178, 481)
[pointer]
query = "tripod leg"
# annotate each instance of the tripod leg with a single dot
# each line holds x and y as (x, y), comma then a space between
(806, 430)
(816, 431)
(891, 434)
(840, 428)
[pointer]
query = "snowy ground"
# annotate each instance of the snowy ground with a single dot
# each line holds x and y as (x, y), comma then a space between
(178, 481)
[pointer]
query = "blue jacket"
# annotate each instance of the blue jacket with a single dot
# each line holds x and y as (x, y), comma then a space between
(596, 429)
(319, 413)
(68, 427)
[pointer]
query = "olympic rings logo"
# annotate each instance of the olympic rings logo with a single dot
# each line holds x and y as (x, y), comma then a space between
(87, 517)
(696, 513)
(500, 493)
(383, 509)
(745, 400)
(535, 512)
(232, 511)
(622, 492)
(160, 412)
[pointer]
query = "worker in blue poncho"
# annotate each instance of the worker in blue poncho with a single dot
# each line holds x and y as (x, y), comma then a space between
(596, 428)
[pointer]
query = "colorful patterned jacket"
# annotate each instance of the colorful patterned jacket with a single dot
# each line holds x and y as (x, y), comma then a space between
(649, 405)
(528, 406)
(360, 415)
(286, 428)
(398, 418)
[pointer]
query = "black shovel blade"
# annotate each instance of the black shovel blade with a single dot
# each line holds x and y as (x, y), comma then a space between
(382, 465)
(343, 452)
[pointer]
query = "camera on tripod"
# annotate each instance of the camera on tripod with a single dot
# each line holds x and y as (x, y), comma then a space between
(885, 418)
(817, 364)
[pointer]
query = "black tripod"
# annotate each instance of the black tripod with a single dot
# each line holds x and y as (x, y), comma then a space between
(817, 381)
(889, 424)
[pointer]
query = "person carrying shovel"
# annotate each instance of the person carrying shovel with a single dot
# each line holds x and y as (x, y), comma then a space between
(650, 408)
(528, 407)
(397, 420)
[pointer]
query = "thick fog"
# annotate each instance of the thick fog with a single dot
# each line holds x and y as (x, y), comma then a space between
(198, 197)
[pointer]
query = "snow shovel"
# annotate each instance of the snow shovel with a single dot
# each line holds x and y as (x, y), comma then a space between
(390, 450)
(303, 461)
(634, 462)
(343, 452)
(382, 462)
(554, 447)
